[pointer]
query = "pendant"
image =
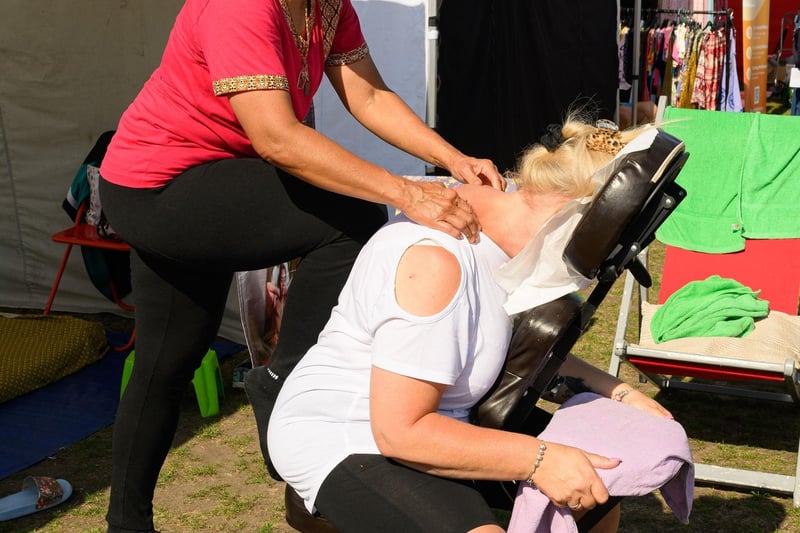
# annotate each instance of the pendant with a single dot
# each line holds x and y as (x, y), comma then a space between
(303, 80)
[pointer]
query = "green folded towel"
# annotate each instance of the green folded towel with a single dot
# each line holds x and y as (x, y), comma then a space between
(740, 178)
(714, 307)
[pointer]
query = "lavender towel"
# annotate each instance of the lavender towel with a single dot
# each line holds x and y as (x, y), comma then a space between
(655, 454)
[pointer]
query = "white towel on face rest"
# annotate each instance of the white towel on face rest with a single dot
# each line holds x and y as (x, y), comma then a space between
(538, 274)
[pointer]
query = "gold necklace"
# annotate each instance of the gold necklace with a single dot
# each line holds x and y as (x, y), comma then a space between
(303, 42)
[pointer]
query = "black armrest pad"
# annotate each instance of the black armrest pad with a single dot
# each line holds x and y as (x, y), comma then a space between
(532, 361)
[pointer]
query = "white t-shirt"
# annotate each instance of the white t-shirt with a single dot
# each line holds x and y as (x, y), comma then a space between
(322, 412)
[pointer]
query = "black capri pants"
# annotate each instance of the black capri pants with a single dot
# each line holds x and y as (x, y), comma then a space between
(366, 493)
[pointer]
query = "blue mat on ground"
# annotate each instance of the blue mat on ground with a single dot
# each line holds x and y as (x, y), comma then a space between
(39, 424)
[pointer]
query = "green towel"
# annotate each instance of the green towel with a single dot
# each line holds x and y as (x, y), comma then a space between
(708, 218)
(740, 178)
(714, 307)
(770, 190)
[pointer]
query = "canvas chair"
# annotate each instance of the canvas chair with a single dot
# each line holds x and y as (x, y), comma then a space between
(762, 365)
(761, 368)
(622, 219)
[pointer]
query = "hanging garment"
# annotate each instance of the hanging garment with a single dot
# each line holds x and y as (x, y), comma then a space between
(731, 96)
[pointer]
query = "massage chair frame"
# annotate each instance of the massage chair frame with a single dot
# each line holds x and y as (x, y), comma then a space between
(619, 224)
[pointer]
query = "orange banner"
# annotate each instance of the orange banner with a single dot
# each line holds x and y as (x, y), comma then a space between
(755, 44)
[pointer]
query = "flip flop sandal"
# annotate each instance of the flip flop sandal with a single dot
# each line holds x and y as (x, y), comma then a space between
(38, 493)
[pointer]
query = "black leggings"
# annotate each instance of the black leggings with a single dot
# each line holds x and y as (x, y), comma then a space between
(188, 239)
(367, 493)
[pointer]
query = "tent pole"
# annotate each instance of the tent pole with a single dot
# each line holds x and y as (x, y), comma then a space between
(431, 61)
(431, 56)
(637, 30)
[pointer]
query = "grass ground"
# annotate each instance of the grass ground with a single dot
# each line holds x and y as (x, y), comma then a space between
(214, 480)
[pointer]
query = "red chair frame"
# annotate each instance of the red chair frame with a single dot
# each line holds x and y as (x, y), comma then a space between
(82, 233)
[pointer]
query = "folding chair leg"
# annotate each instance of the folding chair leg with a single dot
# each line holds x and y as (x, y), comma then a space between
(619, 336)
(796, 493)
(123, 348)
(117, 299)
(57, 281)
(128, 345)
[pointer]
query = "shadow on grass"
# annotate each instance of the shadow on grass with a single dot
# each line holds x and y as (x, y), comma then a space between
(712, 511)
(735, 421)
(87, 463)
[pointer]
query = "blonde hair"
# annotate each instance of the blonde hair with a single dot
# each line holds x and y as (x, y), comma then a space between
(567, 170)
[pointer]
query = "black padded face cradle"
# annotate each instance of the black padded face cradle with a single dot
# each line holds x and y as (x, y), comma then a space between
(634, 185)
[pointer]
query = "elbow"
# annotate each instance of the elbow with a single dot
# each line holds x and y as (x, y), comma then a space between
(271, 152)
(389, 444)
(385, 446)
(280, 150)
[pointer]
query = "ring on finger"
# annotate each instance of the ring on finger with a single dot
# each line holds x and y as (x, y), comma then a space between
(575, 507)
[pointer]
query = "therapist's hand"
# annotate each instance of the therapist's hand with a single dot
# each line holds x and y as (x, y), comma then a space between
(434, 205)
(477, 171)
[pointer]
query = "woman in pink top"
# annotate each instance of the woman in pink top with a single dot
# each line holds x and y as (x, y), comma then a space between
(214, 169)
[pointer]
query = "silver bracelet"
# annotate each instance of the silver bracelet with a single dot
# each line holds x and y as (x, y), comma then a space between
(539, 457)
(621, 394)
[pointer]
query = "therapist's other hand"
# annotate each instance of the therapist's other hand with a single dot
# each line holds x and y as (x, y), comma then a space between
(477, 171)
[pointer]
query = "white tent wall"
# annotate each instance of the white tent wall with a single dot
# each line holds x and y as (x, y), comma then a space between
(395, 31)
(68, 69)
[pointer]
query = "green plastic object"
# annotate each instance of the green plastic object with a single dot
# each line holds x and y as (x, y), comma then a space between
(207, 382)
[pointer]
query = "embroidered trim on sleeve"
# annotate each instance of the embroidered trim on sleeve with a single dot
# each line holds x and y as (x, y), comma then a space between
(250, 83)
(330, 21)
(338, 60)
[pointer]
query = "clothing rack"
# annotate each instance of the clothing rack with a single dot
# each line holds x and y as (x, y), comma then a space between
(728, 13)
(636, 27)
(649, 11)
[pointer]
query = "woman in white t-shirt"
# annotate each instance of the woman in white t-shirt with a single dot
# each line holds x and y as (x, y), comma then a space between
(372, 427)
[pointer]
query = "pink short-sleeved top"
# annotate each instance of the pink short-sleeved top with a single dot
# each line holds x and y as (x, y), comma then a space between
(182, 116)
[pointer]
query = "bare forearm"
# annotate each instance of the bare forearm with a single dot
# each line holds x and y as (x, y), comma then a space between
(365, 95)
(311, 156)
(412, 432)
(268, 119)
(388, 117)
(607, 385)
(443, 446)
(595, 379)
